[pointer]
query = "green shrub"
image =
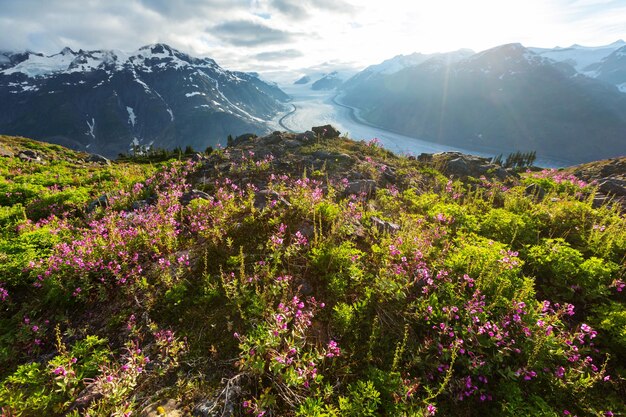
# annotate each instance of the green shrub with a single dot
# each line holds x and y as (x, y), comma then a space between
(508, 227)
(495, 268)
(37, 389)
(363, 400)
(563, 274)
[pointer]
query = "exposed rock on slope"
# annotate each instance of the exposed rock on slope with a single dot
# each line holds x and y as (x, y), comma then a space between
(609, 175)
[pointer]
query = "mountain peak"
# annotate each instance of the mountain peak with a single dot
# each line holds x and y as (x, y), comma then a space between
(67, 51)
(513, 47)
(159, 49)
(510, 52)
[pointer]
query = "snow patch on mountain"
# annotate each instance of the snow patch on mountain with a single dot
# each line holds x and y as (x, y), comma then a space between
(91, 127)
(145, 86)
(145, 59)
(131, 116)
(37, 65)
(580, 57)
(400, 62)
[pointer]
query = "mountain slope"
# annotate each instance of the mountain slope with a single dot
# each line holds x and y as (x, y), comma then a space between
(583, 58)
(328, 81)
(301, 275)
(400, 62)
(104, 101)
(612, 69)
(505, 98)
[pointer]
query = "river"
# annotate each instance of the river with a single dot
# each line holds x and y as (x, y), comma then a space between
(314, 108)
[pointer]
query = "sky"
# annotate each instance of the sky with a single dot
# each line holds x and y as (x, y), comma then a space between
(287, 38)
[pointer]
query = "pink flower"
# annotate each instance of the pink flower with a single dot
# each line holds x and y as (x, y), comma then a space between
(4, 294)
(333, 349)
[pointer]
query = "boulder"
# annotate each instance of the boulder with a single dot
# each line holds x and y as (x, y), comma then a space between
(246, 137)
(271, 139)
(535, 190)
(457, 167)
(102, 201)
(6, 152)
(186, 198)
(290, 143)
(367, 187)
(262, 197)
(461, 165)
(384, 226)
(307, 136)
(334, 157)
(613, 186)
(98, 159)
(424, 157)
(326, 131)
(29, 155)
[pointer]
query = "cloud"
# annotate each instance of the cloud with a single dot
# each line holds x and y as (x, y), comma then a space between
(302, 9)
(293, 9)
(249, 33)
(279, 55)
(190, 9)
(252, 35)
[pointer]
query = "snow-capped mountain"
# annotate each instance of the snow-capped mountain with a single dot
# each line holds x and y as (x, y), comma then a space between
(103, 101)
(400, 62)
(612, 69)
(504, 98)
(580, 57)
(328, 81)
(590, 60)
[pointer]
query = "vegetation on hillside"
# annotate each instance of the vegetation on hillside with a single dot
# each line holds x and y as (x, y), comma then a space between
(247, 284)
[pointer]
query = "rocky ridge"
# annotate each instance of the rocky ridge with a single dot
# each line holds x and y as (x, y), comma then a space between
(610, 177)
(293, 153)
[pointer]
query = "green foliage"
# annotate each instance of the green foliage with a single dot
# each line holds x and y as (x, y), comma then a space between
(508, 227)
(611, 319)
(36, 389)
(274, 292)
(563, 273)
(496, 269)
(363, 400)
(517, 403)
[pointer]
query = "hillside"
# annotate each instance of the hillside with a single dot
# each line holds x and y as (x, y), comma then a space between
(306, 275)
(106, 101)
(507, 97)
(328, 81)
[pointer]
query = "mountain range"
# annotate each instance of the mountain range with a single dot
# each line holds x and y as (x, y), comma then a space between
(567, 104)
(564, 103)
(106, 101)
